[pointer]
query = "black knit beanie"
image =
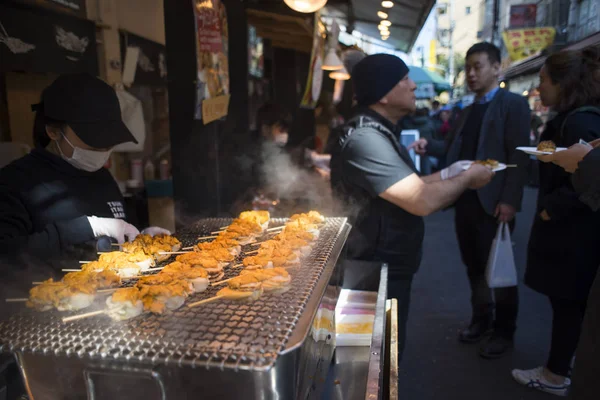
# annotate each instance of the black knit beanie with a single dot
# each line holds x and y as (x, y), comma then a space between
(375, 76)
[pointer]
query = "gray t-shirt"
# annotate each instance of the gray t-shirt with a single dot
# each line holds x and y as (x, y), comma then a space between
(372, 163)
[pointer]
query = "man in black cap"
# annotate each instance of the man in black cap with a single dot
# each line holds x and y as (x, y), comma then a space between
(375, 178)
(59, 196)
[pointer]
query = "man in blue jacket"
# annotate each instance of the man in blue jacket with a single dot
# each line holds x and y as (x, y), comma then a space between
(490, 128)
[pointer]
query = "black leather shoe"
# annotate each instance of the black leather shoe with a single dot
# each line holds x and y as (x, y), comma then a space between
(495, 347)
(478, 329)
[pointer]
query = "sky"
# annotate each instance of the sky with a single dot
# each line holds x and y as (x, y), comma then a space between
(424, 38)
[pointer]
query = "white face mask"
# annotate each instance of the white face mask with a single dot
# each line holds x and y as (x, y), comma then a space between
(281, 139)
(87, 160)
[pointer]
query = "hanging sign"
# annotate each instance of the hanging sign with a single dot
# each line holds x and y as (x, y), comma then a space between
(315, 74)
(523, 43)
(212, 42)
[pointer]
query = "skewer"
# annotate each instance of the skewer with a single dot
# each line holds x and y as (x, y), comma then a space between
(215, 232)
(70, 270)
(80, 316)
(104, 291)
(206, 237)
(237, 266)
(251, 252)
(223, 281)
(16, 300)
(84, 262)
(154, 269)
(188, 248)
(276, 228)
(174, 252)
(512, 166)
(204, 301)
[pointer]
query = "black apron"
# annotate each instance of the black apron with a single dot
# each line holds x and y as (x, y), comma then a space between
(381, 231)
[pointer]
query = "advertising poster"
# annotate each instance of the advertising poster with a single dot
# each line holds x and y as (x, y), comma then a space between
(212, 43)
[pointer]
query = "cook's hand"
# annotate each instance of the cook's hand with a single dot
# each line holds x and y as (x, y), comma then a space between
(479, 176)
(505, 212)
(420, 146)
(454, 170)
(155, 230)
(113, 227)
(545, 216)
(569, 159)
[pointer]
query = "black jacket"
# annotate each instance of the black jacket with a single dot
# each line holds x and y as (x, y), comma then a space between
(563, 254)
(44, 202)
(505, 127)
(586, 180)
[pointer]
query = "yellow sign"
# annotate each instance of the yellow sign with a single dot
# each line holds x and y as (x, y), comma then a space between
(215, 108)
(432, 54)
(522, 43)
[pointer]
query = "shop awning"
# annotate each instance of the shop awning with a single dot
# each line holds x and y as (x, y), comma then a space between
(407, 18)
(423, 76)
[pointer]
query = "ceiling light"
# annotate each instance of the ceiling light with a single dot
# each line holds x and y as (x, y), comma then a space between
(387, 4)
(382, 15)
(340, 75)
(383, 29)
(385, 22)
(332, 61)
(384, 37)
(306, 6)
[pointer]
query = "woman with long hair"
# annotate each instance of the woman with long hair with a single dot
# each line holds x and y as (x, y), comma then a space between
(563, 255)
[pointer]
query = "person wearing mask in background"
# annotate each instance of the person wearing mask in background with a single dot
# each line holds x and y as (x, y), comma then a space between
(59, 196)
(374, 178)
(490, 128)
(563, 256)
(583, 161)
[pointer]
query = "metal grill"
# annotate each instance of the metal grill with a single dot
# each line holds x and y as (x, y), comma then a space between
(221, 334)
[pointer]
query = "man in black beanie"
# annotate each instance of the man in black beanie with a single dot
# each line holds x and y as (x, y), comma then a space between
(374, 177)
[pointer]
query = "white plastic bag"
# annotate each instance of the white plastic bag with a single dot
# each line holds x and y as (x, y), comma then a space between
(501, 270)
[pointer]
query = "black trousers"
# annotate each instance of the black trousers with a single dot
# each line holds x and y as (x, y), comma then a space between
(476, 230)
(567, 318)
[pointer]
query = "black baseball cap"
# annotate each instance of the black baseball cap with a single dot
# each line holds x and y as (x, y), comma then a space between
(90, 107)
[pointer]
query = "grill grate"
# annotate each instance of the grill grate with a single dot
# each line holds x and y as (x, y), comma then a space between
(221, 334)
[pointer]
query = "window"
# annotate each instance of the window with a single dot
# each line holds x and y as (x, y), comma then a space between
(468, 10)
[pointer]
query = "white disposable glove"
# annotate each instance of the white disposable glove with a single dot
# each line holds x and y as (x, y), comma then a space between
(455, 169)
(113, 227)
(155, 230)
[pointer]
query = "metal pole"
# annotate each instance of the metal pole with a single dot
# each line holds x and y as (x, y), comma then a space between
(495, 22)
(451, 44)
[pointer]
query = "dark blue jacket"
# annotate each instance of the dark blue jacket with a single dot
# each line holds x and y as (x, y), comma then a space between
(505, 127)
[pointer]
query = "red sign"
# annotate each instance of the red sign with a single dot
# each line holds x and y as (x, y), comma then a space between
(208, 23)
(523, 16)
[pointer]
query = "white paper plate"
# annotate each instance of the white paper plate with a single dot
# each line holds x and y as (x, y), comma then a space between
(534, 151)
(500, 167)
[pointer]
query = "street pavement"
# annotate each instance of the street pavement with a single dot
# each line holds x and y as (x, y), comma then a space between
(435, 365)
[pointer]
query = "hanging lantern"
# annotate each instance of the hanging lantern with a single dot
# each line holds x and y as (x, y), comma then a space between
(340, 75)
(306, 6)
(332, 61)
